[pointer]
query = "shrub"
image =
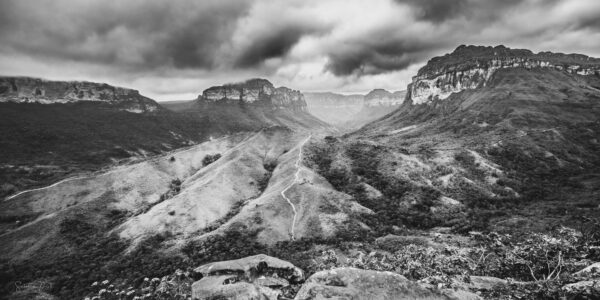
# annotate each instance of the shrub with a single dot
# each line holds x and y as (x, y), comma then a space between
(209, 159)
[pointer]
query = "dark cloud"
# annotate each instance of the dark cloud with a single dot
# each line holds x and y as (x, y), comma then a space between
(221, 39)
(275, 43)
(145, 34)
(453, 22)
(369, 60)
(436, 10)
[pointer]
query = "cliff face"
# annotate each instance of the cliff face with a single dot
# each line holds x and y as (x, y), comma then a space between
(470, 67)
(381, 97)
(35, 90)
(257, 92)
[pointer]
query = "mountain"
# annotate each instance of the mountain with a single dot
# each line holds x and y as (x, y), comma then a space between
(35, 90)
(350, 112)
(255, 92)
(333, 108)
(471, 67)
(377, 103)
(250, 105)
(485, 127)
(381, 97)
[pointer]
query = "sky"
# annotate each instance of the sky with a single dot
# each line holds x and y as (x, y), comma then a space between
(174, 49)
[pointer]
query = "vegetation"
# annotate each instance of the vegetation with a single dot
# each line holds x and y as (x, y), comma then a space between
(209, 159)
(42, 143)
(174, 189)
(391, 209)
(543, 263)
(264, 181)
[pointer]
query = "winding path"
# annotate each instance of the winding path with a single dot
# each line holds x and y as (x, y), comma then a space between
(43, 188)
(297, 164)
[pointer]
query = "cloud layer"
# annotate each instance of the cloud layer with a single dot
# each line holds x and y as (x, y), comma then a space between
(175, 49)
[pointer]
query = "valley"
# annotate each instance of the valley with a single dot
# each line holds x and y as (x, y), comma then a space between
(479, 181)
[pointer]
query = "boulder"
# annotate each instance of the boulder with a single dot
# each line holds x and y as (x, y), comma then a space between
(225, 287)
(589, 288)
(352, 283)
(254, 266)
(591, 271)
(254, 277)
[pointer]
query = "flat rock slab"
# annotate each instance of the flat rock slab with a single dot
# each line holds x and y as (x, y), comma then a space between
(351, 283)
(244, 265)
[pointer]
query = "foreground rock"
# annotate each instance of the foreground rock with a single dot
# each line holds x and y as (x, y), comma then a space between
(254, 277)
(592, 271)
(351, 283)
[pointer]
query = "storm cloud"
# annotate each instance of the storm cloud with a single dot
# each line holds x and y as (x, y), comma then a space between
(174, 49)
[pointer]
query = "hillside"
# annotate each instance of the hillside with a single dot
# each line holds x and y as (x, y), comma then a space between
(521, 135)
(51, 129)
(511, 155)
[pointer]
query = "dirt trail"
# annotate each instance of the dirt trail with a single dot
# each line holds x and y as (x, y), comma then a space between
(43, 188)
(297, 164)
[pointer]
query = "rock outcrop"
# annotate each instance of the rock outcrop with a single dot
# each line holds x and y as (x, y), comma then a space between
(257, 92)
(381, 97)
(254, 277)
(471, 67)
(35, 90)
(352, 283)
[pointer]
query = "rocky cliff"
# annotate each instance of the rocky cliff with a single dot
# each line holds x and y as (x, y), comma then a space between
(471, 67)
(35, 90)
(381, 97)
(256, 92)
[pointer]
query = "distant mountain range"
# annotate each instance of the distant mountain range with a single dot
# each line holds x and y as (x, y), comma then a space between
(352, 111)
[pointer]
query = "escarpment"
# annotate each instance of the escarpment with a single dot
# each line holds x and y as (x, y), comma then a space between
(471, 67)
(255, 92)
(35, 90)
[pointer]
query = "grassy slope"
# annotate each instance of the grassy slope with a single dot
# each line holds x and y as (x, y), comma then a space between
(41, 143)
(541, 127)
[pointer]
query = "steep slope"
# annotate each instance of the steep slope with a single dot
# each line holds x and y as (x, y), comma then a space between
(470, 67)
(50, 129)
(521, 135)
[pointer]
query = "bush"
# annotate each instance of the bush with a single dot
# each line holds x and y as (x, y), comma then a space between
(209, 159)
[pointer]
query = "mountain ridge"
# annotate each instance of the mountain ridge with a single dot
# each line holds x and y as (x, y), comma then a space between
(471, 67)
(43, 91)
(256, 91)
